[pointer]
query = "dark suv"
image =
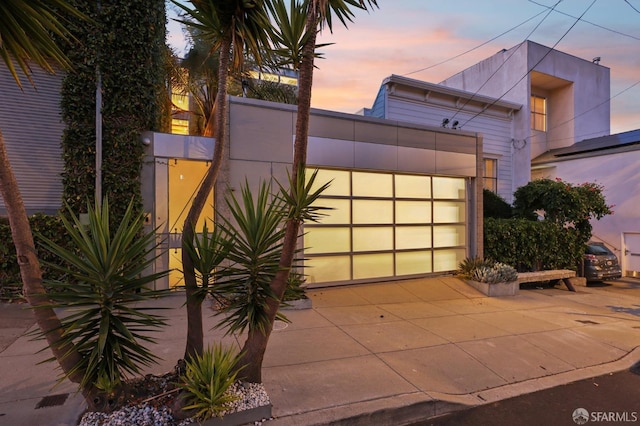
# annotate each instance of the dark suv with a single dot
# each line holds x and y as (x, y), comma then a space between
(600, 263)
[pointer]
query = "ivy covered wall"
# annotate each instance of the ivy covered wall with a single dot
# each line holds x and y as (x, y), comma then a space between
(126, 41)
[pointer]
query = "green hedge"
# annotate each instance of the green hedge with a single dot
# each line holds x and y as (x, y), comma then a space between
(531, 245)
(48, 226)
(125, 40)
(495, 206)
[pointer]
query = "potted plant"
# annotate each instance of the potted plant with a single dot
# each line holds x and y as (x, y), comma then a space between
(490, 277)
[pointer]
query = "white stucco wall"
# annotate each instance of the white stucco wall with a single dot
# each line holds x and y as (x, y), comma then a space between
(620, 176)
(576, 89)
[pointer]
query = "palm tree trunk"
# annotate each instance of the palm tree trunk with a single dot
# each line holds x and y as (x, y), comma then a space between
(31, 273)
(195, 335)
(256, 343)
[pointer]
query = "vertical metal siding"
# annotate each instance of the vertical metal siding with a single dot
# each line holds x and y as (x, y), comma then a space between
(32, 129)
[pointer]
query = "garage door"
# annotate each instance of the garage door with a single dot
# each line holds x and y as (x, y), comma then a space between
(386, 225)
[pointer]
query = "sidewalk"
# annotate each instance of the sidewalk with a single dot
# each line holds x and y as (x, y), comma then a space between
(384, 354)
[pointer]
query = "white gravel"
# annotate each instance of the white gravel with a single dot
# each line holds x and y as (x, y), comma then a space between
(251, 395)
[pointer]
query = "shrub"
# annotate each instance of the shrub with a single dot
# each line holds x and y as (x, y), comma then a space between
(566, 204)
(467, 267)
(486, 270)
(42, 225)
(495, 206)
(294, 290)
(207, 380)
(532, 245)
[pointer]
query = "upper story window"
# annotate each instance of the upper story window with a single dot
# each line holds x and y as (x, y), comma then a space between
(180, 101)
(490, 174)
(538, 113)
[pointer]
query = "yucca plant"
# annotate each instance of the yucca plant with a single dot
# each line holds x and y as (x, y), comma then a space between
(256, 229)
(294, 290)
(206, 382)
(107, 278)
(208, 250)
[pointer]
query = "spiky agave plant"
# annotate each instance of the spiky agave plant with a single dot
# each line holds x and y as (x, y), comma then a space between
(206, 382)
(106, 268)
(256, 231)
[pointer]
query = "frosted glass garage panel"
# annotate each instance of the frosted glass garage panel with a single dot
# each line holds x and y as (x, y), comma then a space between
(448, 212)
(413, 186)
(327, 240)
(339, 213)
(372, 239)
(372, 265)
(449, 236)
(327, 269)
(413, 262)
(449, 188)
(413, 237)
(372, 212)
(372, 184)
(413, 212)
(340, 181)
(447, 260)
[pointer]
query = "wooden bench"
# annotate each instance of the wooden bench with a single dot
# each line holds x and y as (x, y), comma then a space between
(556, 275)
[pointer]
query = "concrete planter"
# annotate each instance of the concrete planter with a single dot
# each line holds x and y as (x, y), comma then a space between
(510, 288)
(244, 417)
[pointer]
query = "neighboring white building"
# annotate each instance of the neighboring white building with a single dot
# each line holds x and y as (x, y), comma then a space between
(524, 101)
(611, 161)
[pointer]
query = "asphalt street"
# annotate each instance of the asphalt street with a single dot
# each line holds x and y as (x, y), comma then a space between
(610, 399)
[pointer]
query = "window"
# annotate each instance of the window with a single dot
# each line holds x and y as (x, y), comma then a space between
(179, 127)
(538, 113)
(180, 101)
(490, 174)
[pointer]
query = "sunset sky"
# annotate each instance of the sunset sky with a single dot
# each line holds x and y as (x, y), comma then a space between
(427, 40)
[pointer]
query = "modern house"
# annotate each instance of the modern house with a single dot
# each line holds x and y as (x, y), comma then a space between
(405, 197)
(407, 174)
(524, 101)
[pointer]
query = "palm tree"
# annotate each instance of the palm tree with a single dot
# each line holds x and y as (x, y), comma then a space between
(197, 75)
(26, 28)
(232, 27)
(299, 39)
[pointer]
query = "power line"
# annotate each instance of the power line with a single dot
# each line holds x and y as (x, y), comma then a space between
(550, 8)
(589, 22)
(513, 51)
(536, 64)
(589, 110)
(632, 7)
(475, 48)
